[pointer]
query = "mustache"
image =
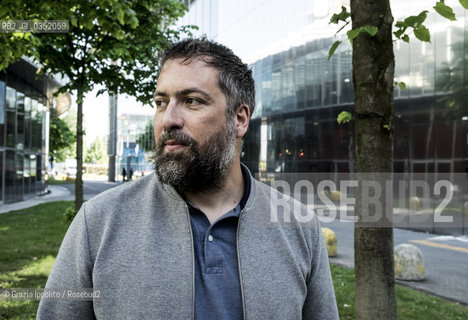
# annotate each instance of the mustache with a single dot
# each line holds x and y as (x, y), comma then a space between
(178, 136)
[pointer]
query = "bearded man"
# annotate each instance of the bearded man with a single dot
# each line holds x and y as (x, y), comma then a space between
(194, 240)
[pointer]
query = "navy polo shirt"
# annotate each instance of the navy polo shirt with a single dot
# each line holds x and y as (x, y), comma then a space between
(217, 283)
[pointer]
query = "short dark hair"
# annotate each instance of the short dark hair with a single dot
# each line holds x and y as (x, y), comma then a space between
(234, 77)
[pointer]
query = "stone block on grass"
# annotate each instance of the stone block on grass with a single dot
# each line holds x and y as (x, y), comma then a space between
(409, 263)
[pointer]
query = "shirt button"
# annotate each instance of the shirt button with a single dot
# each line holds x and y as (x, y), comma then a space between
(210, 238)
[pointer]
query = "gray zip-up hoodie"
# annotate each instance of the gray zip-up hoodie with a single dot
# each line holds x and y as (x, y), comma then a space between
(134, 244)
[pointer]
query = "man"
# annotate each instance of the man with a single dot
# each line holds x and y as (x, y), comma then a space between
(195, 240)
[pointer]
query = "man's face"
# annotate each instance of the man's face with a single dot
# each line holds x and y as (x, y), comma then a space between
(195, 142)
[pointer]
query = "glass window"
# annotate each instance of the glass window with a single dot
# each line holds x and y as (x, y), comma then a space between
(258, 95)
(299, 81)
(1, 175)
(27, 123)
(20, 132)
(10, 173)
(36, 115)
(38, 168)
(2, 102)
(19, 176)
(44, 128)
(2, 114)
(26, 173)
(402, 68)
(34, 104)
(38, 131)
(266, 93)
(27, 105)
(20, 101)
(11, 129)
(32, 172)
(288, 89)
(347, 89)
(276, 90)
(10, 98)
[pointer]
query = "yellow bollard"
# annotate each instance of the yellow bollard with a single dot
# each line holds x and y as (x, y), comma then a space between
(330, 240)
(336, 195)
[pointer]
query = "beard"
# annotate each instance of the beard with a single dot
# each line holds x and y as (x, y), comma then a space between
(199, 167)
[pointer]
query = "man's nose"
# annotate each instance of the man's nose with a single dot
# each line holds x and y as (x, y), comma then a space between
(173, 117)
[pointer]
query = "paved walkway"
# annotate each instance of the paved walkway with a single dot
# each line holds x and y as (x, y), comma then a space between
(56, 193)
(91, 188)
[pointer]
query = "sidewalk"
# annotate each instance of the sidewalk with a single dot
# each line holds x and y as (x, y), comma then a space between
(56, 193)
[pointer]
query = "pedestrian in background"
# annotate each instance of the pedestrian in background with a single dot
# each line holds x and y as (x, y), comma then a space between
(124, 174)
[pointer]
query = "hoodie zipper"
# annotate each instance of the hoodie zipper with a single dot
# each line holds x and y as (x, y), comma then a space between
(239, 264)
(193, 262)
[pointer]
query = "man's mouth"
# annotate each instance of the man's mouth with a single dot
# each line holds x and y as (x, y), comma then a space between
(174, 145)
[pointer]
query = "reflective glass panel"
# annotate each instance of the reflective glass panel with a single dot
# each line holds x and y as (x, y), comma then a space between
(10, 129)
(20, 101)
(10, 100)
(10, 175)
(19, 176)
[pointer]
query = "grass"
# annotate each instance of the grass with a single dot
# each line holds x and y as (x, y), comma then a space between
(30, 241)
(31, 238)
(53, 181)
(411, 304)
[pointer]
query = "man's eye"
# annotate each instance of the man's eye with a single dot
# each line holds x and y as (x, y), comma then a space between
(161, 103)
(192, 101)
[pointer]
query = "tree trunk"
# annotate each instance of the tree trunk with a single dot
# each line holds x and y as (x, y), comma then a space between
(79, 151)
(373, 73)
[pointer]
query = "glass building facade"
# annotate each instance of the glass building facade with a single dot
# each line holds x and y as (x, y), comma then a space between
(299, 93)
(134, 142)
(24, 131)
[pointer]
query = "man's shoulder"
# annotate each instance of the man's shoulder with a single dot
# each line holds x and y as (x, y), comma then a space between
(128, 197)
(127, 190)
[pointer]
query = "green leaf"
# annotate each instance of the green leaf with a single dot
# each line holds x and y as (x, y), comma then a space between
(352, 34)
(422, 33)
(344, 117)
(74, 21)
(415, 21)
(405, 38)
(386, 126)
(464, 3)
(401, 85)
(398, 33)
(342, 16)
(89, 24)
(333, 49)
(400, 24)
(444, 10)
(370, 30)
(120, 14)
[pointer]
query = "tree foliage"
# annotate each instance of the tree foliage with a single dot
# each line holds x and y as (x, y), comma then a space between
(61, 138)
(97, 152)
(145, 140)
(110, 42)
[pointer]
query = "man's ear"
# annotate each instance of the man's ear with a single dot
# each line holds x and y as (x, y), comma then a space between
(242, 117)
